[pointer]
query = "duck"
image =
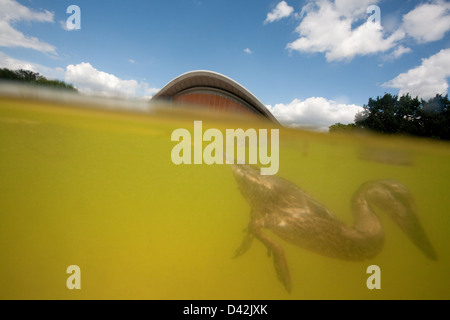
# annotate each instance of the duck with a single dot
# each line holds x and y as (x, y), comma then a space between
(293, 215)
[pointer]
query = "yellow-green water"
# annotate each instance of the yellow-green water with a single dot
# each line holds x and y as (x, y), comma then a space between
(98, 189)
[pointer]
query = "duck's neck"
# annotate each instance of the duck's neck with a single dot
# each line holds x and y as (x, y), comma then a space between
(396, 200)
(365, 219)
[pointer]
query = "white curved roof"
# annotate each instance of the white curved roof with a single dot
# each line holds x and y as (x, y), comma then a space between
(210, 79)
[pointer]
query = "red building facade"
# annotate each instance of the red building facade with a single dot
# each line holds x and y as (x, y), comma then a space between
(213, 91)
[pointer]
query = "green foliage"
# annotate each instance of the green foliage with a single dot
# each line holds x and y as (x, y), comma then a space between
(435, 118)
(55, 84)
(8, 74)
(33, 78)
(339, 127)
(406, 115)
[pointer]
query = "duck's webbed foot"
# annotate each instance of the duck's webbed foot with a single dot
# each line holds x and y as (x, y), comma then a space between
(274, 249)
(279, 260)
(246, 243)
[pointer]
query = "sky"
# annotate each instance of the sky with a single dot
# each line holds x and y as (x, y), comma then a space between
(312, 63)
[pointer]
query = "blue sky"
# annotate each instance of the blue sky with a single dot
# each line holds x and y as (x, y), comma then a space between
(313, 63)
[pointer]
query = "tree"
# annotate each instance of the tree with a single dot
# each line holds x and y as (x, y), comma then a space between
(8, 74)
(408, 110)
(55, 84)
(406, 115)
(389, 114)
(339, 127)
(27, 75)
(33, 78)
(435, 118)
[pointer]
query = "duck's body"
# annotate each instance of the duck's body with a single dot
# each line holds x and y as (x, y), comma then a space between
(295, 216)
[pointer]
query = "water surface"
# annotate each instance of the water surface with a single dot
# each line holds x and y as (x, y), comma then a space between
(97, 188)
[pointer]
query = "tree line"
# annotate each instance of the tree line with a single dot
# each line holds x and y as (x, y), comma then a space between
(392, 114)
(33, 78)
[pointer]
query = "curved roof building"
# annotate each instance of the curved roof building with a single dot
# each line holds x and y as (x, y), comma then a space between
(214, 91)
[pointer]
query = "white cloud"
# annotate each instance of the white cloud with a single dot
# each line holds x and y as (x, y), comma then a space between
(11, 12)
(89, 80)
(316, 112)
(353, 8)
(428, 22)
(398, 52)
(330, 27)
(282, 10)
(63, 24)
(248, 51)
(340, 30)
(85, 78)
(15, 64)
(426, 80)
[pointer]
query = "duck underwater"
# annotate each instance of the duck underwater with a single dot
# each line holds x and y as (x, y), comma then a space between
(295, 216)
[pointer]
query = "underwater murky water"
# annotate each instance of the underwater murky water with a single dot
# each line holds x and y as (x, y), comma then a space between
(98, 189)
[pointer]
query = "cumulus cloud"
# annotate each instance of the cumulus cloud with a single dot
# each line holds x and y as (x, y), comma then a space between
(398, 52)
(16, 64)
(89, 80)
(426, 80)
(12, 12)
(63, 24)
(86, 78)
(282, 10)
(331, 28)
(316, 112)
(428, 22)
(341, 29)
(248, 51)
